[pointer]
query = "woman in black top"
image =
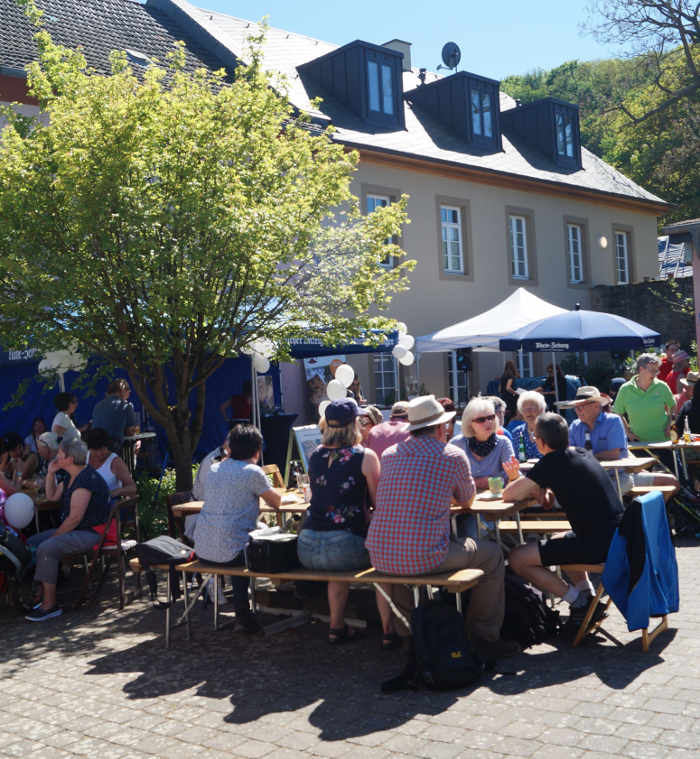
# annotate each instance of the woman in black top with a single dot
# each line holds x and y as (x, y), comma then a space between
(506, 390)
(85, 500)
(690, 410)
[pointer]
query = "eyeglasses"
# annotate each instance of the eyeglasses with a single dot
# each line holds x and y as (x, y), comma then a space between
(484, 419)
(365, 422)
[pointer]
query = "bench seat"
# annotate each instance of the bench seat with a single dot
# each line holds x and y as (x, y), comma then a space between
(536, 525)
(455, 582)
(666, 490)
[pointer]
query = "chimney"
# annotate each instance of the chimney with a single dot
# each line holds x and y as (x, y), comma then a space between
(402, 47)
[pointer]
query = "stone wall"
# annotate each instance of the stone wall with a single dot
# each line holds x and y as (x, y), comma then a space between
(641, 303)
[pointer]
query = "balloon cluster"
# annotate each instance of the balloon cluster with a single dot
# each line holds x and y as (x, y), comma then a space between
(260, 352)
(402, 350)
(337, 388)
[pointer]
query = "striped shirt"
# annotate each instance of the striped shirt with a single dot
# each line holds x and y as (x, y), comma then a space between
(410, 530)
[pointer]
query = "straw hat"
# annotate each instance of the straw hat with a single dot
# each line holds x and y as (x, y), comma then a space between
(584, 394)
(425, 411)
(690, 379)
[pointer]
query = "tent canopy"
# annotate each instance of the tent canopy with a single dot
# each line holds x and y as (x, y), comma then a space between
(485, 330)
(581, 331)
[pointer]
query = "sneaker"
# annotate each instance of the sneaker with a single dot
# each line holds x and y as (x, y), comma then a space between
(41, 615)
(576, 616)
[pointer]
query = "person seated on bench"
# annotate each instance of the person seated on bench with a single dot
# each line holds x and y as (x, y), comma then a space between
(343, 477)
(604, 435)
(410, 529)
(85, 500)
(232, 490)
(592, 506)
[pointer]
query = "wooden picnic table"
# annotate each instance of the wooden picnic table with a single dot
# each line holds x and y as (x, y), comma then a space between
(666, 445)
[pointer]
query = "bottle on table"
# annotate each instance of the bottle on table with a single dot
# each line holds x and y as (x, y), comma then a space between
(686, 431)
(522, 456)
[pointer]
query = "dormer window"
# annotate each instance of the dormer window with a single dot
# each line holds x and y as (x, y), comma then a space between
(564, 125)
(466, 104)
(365, 78)
(482, 108)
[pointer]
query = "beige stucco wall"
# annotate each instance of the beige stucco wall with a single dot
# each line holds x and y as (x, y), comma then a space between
(435, 301)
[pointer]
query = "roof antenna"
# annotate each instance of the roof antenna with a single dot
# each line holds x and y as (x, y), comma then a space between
(577, 307)
(421, 75)
(451, 56)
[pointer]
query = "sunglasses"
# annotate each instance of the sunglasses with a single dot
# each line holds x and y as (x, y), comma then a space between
(484, 419)
(365, 422)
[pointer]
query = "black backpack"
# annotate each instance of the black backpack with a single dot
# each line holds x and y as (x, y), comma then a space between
(163, 550)
(528, 620)
(444, 657)
(15, 557)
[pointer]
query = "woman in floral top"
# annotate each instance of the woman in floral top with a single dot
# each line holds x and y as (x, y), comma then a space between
(343, 477)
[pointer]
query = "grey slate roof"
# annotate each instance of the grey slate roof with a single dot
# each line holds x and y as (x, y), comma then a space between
(99, 26)
(423, 137)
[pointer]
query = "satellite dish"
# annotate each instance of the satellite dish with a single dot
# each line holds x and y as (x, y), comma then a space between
(451, 54)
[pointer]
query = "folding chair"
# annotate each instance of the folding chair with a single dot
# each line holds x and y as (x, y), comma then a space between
(274, 470)
(649, 586)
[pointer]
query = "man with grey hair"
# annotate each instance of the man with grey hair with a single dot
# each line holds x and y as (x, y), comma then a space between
(85, 499)
(645, 403)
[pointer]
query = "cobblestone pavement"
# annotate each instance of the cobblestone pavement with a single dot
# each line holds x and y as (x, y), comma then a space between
(99, 683)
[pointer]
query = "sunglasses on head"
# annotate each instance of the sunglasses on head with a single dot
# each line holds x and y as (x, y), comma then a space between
(483, 419)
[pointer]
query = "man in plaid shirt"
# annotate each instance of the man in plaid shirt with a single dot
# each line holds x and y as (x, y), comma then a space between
(410, 530)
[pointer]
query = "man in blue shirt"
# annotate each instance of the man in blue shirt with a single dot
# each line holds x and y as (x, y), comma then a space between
(603, 433)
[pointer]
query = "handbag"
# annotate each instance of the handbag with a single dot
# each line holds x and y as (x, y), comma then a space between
(270, 550)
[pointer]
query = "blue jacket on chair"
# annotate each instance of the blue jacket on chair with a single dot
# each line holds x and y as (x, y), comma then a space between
(641, 573)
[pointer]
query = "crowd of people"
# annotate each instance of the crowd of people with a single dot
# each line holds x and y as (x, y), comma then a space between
(81, 469)
(381, 491)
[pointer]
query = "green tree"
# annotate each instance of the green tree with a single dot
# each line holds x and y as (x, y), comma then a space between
(174, 219)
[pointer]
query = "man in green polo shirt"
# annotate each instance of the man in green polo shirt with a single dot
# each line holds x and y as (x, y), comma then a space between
(646, 403)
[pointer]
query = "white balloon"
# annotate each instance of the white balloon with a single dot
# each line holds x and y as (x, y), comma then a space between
(398, 352)
(345, 374)
(407, 341)
(336, 390)
(322, 406)
(401, 328)
(407, 359)
(264, 347)
(19, 510)
(261, 364)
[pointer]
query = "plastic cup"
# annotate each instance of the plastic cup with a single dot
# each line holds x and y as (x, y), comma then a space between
(496, 485)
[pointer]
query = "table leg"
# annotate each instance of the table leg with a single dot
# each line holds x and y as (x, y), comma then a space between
(520, 528)
(617, 480)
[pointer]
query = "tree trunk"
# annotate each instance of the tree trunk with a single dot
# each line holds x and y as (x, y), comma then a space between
(182, 460)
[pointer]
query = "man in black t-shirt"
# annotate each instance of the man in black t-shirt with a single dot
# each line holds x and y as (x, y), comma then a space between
(586, 493)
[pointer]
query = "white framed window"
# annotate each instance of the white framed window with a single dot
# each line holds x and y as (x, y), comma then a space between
(386, 379)
(451, 230)
(564, 127)
(622, 267)
(525, 364)
(381, 88)
(575, 249)
(517, 226)
(374, 202)
(457, 379)
(482, 121)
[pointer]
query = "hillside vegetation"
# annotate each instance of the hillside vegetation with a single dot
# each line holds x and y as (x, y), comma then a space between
(660, 152)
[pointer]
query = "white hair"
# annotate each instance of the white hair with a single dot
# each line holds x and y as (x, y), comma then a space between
(476, 407)
(534, 397)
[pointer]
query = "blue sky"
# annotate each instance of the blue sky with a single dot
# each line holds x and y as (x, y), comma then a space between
(496, 39)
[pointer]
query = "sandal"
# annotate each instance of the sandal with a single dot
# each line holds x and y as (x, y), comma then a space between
(390, 641)
(338, 636)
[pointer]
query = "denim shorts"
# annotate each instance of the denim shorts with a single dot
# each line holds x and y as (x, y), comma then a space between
(332, 550)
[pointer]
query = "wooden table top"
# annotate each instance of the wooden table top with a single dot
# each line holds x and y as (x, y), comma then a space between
(640, 445)
(629, 463)
(296, 505)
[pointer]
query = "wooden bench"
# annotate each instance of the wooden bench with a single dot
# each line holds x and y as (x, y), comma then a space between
(668, 491)
(454, 582)
(547, 526)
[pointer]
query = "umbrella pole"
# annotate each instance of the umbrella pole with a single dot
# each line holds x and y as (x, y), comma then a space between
(556, 384)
